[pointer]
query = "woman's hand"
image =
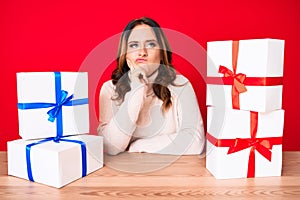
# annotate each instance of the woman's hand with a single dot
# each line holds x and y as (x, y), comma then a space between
(136, 73)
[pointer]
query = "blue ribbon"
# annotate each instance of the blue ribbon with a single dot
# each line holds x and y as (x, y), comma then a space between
(61, 100)
(55, 113)
(55, 139)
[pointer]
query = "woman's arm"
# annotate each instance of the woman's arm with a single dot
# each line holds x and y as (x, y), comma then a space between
(189, 139)
(117, 127)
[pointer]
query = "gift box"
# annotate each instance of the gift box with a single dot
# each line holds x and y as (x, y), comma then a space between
(55, 162)
(245, 74)
(52, 104)
(244, 144)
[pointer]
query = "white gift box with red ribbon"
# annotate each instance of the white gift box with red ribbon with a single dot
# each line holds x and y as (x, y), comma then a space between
(245, 74)
(244, 144)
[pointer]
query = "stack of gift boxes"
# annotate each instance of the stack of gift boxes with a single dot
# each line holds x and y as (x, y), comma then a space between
(244, 108)
(53, 111)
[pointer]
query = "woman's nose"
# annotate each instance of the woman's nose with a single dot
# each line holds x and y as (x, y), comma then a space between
(143, 52)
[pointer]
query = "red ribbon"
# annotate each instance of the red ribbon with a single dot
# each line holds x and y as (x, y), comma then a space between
(238, 81)
(262, 145)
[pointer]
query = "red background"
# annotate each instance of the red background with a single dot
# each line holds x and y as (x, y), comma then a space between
(58, 35)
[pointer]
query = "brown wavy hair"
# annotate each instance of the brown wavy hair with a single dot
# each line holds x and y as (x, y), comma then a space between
(166, 73)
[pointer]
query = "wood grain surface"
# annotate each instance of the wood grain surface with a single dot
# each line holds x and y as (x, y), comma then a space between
(149, 176)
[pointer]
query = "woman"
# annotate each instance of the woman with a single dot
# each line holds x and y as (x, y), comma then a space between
(146, 107)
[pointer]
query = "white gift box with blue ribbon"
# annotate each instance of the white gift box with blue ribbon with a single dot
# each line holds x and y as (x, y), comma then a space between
(52, 104)
(55, 161)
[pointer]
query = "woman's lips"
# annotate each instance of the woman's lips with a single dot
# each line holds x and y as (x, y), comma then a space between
(140, 60)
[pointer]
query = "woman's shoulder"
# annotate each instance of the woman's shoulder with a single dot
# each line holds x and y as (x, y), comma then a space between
(181, 80)
(108, 83)
(108, 86)
(179, 84)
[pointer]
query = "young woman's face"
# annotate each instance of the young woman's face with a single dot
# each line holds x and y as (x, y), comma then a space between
(143, 49)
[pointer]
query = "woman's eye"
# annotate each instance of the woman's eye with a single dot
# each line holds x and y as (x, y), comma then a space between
(151, 45)
(133, 45)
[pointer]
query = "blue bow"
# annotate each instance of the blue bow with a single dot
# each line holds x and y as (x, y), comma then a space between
(57, 108)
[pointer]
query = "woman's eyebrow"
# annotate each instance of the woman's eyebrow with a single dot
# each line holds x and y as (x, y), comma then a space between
(150, 40)
(132, 41)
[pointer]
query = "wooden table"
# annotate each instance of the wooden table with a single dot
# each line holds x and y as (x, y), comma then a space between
(148, 176)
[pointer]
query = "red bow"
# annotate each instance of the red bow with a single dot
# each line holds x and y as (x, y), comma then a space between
(262, 145)
(238, 79)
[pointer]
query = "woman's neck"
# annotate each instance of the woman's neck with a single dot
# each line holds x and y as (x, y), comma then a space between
(151, 78)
